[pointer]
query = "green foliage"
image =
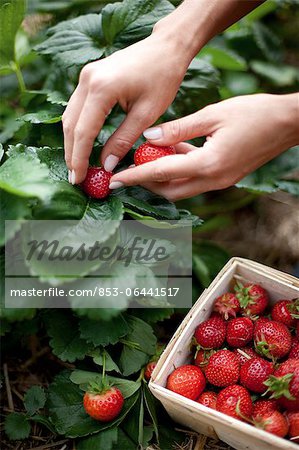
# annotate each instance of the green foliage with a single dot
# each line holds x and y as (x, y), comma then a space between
(11, 16)
(34, 399)
(17, 426)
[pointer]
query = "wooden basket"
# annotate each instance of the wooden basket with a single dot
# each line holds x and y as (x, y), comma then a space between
(194, 415)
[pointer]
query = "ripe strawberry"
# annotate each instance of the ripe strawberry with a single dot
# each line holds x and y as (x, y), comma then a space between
(202, 357)
(149, 370)
(104, 405)
(239, 332)
(227, 305)
(252, 297)
(242, 352)
(297, 329)
(294, 353)
(208, 398)
(284, 384)
(211, 333)
(286, 311)
(235, 401)
(187, 380)
(254, 372)
(293, 420)
(273, 422)
(96, 183)
(223, 368)
(272, 339)
(149, 152)
(261, 407)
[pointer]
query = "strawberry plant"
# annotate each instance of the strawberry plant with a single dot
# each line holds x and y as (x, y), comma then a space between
(46, 46)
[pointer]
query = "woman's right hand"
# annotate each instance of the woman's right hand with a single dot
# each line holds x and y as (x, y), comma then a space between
(143, 79)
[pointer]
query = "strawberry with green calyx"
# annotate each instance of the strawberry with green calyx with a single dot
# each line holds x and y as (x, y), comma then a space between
(286, 312)
(284, 385)
(273, 422)
(252, 297)
(187, 380)
(227, 305)
(102, 401)
(272, 339)
(235, 401)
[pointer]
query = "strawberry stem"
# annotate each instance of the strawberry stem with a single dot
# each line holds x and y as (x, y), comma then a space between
(279, 386)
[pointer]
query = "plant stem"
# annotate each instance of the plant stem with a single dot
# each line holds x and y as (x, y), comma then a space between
(17, 70)
(104, 365)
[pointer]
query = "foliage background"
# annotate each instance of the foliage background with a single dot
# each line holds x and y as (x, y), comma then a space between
(46, 45)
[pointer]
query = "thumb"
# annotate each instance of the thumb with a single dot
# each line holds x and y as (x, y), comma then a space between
(189, 127)
(122, 140)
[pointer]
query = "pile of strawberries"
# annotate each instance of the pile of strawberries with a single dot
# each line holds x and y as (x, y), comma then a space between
(246, 361)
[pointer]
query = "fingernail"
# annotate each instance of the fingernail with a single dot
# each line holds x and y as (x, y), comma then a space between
(153, 133)
(73, 177)
(70, 176)
(115, 185)
(110, 163)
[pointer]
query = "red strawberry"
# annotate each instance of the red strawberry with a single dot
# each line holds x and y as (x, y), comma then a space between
(242, 352)
(294, 353)
(272, 339)
(273, 422)
(254, 372)
(187, 380)
(96, 183)
(223, 368)
(261, 407)
(235, 401)
(149, 152)
(149, 370)
(293, 420)
(284, 384)
(208, 398)
(211, 333)
(202, 357)
(104, 405)
(239, 332)
(286, 311)
(227, 305)
(297, 329)
(252, 297)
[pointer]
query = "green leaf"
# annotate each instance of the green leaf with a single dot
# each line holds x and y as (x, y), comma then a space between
(139, 344)
(67, 413)
(65, 339)
(267, 41)
(146, 202)
(34, 399)
(152, 315)
(11, 16)
(276, 174)
(42, 116)
(103, 332)
(14, 208)
(261, 11)
(97, 356)
(223, 58)
(208, 259)
(125, 18)
(75, 42)
(25, 176)
(240, 83)
(279, 75)
(17, 426)
(104, 440)
(57, 98)
(151, 405)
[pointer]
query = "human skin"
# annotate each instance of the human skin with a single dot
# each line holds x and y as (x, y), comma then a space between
(143, 94)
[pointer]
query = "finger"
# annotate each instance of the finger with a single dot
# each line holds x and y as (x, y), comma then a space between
(69, 119)
(125, 136)
(184, 147)
(195, 125)
(89, 124)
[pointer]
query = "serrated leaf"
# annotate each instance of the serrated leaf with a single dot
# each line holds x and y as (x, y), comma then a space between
(17, 426)
(65, 405)
(25, 176)
(76, 41)
(13, 208)
(57, 98)
(103, 332)
(42, 116)
(139, 344)
(97, 356)
(65, 340)
(104, 440)
(11, 16)
(34, 399)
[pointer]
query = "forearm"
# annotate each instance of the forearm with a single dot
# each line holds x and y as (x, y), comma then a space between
(290, 118)
(195, 22)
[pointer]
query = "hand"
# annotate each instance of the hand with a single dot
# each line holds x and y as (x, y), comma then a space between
(143, 79)
(242, 133)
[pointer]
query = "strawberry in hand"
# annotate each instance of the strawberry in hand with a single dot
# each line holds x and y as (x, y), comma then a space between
(96, 183)
(149, 152)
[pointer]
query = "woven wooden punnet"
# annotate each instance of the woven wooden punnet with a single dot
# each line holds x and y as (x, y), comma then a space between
(194, 415)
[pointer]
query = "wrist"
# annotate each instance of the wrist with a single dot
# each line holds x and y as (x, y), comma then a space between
(289, 111)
